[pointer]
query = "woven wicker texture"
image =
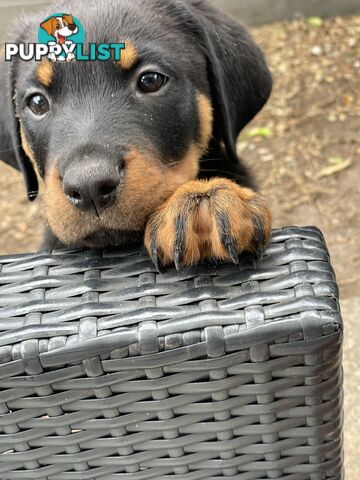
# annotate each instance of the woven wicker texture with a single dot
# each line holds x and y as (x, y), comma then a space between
(110, 370)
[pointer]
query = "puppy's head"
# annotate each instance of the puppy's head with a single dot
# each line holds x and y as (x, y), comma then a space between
(60, 27)
(113, 140)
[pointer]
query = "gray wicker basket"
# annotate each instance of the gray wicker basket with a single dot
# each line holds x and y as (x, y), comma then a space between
(110, 370)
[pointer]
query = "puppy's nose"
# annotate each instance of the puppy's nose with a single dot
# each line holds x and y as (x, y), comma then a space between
(72, 27)
(92, 189)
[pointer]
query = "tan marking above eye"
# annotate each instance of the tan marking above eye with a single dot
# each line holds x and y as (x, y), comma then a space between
(45, 73)
(128, 56)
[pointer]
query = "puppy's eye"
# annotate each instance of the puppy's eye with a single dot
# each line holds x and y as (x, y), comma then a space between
(38, 104)
(152, 82)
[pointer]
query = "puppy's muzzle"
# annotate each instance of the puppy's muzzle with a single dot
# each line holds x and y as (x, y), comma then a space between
(93, 187)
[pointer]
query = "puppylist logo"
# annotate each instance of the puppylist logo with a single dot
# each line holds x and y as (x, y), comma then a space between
(62, 39)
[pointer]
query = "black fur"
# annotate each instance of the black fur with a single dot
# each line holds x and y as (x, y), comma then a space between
(94, 104)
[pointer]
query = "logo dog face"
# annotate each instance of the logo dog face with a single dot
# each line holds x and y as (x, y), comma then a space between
(61, 28)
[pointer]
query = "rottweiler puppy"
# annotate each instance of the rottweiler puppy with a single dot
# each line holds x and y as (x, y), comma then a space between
(144, 147)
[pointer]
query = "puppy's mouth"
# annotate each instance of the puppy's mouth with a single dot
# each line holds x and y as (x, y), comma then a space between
(61, 39)
(66, 32)
(107, 238)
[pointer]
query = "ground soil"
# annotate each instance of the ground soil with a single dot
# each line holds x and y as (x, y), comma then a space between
(304, 147)
(309, 166)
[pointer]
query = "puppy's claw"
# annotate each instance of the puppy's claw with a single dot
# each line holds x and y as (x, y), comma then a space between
(234, 256)
(178, 257)
(177, 261)
(155, 258)
(179, 244)
(260, 252)
(227, 239)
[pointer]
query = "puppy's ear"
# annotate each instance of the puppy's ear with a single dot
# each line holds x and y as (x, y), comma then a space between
(11, 150)
(238, 74)
(49, 25)
(69, 19)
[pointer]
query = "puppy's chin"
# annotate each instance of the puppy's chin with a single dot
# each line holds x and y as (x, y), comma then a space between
(111, 239)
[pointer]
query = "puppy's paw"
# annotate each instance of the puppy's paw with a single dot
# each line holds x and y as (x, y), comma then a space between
(214, 219)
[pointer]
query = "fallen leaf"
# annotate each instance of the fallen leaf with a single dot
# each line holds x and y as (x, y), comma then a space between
(258, 132)
(317, 50)
(315, 21)
(336, 160)
(352, 42)
(347, 100)
(335, 168)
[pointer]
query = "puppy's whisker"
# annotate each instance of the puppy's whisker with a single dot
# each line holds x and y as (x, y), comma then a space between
(8, 150)
(203, 160)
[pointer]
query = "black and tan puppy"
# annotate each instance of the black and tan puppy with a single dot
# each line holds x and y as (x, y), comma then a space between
(144, 147)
